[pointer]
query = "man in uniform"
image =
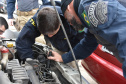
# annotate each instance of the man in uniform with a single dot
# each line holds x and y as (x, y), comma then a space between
(25, 10)
(105, 20)
(46, 22)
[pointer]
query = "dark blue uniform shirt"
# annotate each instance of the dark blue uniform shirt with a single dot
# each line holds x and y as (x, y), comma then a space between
(106, 20)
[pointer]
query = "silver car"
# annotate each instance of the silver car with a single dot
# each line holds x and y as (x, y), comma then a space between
(3, 6)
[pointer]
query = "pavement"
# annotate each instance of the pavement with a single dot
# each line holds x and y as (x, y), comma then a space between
(82, 70)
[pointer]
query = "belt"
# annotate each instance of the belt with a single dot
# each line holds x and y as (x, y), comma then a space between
(28, 13)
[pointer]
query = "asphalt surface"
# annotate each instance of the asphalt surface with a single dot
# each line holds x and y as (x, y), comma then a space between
(83, 71)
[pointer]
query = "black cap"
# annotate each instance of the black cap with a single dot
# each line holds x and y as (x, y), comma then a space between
(64, 4)
(76, 5)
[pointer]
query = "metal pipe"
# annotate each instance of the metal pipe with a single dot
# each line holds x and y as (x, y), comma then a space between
(32, 75)
(53, 3)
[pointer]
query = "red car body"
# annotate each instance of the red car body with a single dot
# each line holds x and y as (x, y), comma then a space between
(104, 67)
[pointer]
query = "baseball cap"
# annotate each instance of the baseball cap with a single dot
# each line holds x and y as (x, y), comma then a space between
(64, 4)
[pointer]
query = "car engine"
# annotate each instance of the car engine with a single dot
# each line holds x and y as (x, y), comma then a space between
(34, 71)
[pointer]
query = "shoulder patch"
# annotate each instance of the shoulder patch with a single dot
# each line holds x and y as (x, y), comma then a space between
(97, 13)
(84, 15)
(32, 22)
(91, 14)
(101, 11)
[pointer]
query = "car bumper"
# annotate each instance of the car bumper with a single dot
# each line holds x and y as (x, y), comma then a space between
(102, 70)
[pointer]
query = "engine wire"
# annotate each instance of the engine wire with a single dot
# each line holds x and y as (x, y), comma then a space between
(37, 48)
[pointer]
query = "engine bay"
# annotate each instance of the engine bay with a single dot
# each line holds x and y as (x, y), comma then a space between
(35, 71)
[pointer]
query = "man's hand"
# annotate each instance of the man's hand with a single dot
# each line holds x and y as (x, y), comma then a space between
(56, 57)
(10, 22)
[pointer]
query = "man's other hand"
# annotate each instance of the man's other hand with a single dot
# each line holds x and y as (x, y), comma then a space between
(56, 57)
(10, 22)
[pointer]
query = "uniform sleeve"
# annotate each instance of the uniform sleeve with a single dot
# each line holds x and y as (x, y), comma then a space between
(10, 8)
(26, 39)
(83, 49)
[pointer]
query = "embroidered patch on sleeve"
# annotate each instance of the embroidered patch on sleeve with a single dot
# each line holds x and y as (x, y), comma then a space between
(91, 14)
(84, 15)
(32, 22)
(101, 11)
(97, 13)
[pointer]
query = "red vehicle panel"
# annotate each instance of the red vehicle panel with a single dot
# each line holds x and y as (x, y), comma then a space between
(104, 67)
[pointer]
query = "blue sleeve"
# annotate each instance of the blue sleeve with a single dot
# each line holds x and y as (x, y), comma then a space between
(45, 1)
(10, 8)
(26, 39)
(83, 49)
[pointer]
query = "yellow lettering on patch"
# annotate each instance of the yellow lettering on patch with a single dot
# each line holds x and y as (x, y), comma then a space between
(32, 22)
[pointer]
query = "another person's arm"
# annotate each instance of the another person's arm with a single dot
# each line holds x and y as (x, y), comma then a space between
(10, 10)
(82, 50)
